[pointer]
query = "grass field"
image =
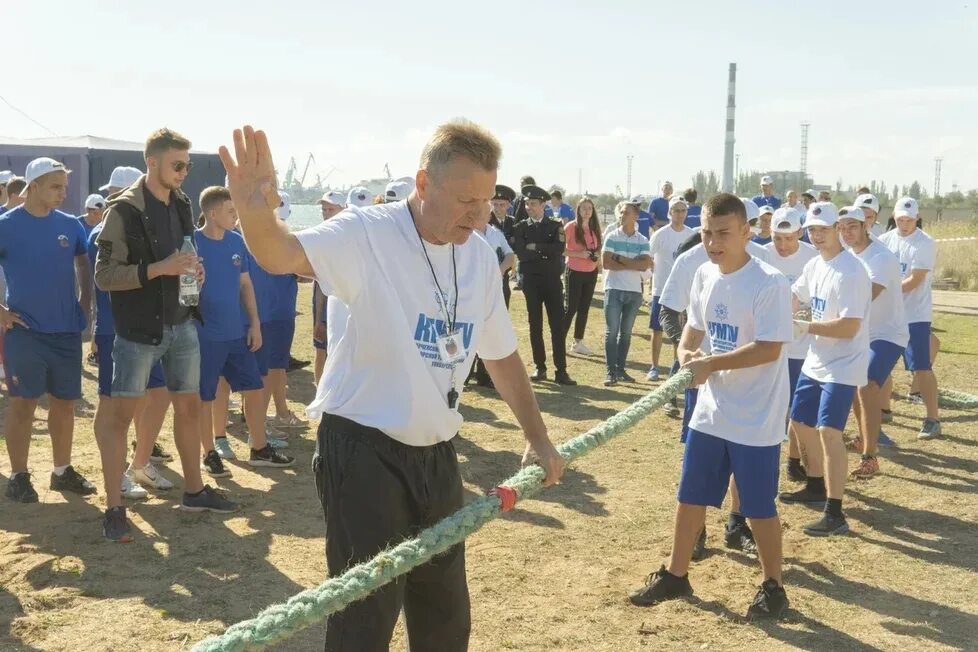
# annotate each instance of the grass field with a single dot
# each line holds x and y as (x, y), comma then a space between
(957, 260)
(551, 575)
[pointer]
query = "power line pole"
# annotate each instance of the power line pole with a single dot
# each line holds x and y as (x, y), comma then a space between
(727, 181)
(937, 176)
(628, 182)
(580, 181)
(803, 168)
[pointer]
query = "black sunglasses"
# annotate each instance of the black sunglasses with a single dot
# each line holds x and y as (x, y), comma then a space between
(180, 166)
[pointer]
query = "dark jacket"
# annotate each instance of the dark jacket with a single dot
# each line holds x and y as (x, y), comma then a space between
(126, 248)
(549, 239)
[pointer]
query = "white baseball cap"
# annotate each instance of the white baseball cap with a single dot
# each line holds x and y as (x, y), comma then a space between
(868, 201)
(41, 166)
(852, 213)
(94, 200)
(822, 213)
(765, 210)
(678, 200)
(753, 212)
(124, 176)
(285, 205)
(397, 191)
(767, 181)
(786, 220)
(360, 197)
(906, 207)
(811, 193)
(334, 197)
(637, 200)
(5, 177)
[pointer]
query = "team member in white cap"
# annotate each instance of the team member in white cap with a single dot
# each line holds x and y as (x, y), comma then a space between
(918, 255)
(664, 245)
(871, 208)
(838, 288)
(44, 257)
(332, 203)
(789, 255)
(767, 198)
(359, 197)
(121, 177)
(888, 332)
(94, 209)
(763, 235)
(398, 190)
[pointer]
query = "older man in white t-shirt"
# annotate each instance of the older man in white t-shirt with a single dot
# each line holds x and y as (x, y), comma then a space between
(424, 296)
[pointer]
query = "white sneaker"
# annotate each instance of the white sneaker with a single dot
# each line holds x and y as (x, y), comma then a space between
(653, 374)
(290, 421)
(149, 476)
(581, 348)
(131, 490)
(271, 433)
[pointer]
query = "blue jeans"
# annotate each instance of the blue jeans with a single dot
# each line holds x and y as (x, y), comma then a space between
(620, 310)
(179, 350)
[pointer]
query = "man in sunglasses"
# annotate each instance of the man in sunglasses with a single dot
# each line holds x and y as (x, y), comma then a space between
(139, 263)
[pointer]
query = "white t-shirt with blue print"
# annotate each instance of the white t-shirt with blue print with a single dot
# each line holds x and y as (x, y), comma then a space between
(632, 246)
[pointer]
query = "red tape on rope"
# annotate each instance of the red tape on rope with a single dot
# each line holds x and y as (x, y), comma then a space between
(506, 496)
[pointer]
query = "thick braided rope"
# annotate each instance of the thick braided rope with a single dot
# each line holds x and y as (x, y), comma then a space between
(948, 398)
(313, 605)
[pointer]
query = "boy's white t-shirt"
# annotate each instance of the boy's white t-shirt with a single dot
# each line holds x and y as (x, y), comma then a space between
(887, 320)
(753, 304)
(675, 293)
(663, 245)
(835, 289)
(915, 251)
(791, 267)
(372, 260)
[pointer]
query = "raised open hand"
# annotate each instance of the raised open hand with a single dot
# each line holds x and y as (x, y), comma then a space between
(251, 174)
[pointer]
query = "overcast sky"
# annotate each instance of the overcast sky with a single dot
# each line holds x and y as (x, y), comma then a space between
(887, 86)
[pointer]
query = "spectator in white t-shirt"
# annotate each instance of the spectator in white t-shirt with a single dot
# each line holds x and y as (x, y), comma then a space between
(424, 296)
(331, 204)
(624, 255)
(888, 332)
(871, 208)
(741, 311)
(789, 255)
(918, 255)
(664, 244)
(837, 286)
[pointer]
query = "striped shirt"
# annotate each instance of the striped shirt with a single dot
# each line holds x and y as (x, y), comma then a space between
(626, 246)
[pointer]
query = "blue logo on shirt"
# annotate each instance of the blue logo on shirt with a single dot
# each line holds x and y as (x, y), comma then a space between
(63, 241)
(426, 334)
(903, 268)
(721, 312)
(818, 308)
(723, 337)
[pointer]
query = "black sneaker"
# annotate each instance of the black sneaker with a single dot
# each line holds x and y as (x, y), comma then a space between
(796, 472)
(624, 377)
(827, 526)
(539, 376)
(215, 465)
(92, 358)
(208, 500)
(561, 378)
(20, 489)
(699, 548)
(804, 497)
(740, 538)
(297, 364)
(268, 456)
(115, 526)
(659, 587)
(71, 480)
(610, 380)
(159, 455)
(770, 602)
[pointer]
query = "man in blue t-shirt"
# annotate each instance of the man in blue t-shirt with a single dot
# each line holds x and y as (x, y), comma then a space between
(693, 210)
(659, 207)
(43, 254)
(561, 209)
(767, 198)
(94, 209)
(227, 347)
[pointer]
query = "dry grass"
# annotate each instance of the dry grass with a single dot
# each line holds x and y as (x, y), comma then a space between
(551, 575)
(957, 260)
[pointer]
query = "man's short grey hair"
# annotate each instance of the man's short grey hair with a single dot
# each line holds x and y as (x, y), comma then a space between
(461, 138)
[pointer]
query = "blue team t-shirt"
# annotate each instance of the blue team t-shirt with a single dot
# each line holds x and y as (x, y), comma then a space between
(104, 322)
(771, 201)
(284, 289)
(659, 208)
(38, 258)
(694, 214)
(88, 229)
(220, 296)
(565, 212)
(644, 223)
(762, 241)
(262, 281)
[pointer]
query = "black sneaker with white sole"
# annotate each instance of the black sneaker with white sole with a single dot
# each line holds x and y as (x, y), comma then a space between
(659, 587)
(71, 480)
(770, 603)
(214, 465)
(157, 455)
(20, 489)
(269, 457)
(115, 526)
(827, 526)
(208, 499)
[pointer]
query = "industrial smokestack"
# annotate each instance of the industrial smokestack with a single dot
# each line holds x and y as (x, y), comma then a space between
(728, 142)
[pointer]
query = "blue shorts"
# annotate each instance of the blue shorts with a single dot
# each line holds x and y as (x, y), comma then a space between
(708, 463)
(105, 344)
(822, 404)
(794, 371)
(917, 355)
(883, 356)
(654, 315)
(43, 363)
(178, 349)
(230, 359)
(689, 404)
(277, 336)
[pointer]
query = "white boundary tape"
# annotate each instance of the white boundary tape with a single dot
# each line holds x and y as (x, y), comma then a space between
(970, 238)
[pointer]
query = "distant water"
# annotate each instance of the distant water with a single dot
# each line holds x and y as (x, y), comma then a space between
(304, 215)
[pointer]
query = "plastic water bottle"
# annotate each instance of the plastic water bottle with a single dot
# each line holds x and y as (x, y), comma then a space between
(189, 292)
